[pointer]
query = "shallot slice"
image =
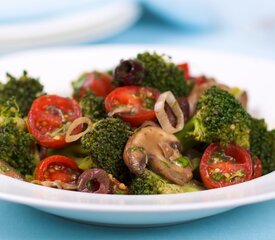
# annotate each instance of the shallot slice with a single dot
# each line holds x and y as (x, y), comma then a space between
(82, 120)
(122, 109)
(169, 98)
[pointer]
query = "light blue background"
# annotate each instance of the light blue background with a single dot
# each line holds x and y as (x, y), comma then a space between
(249, 222)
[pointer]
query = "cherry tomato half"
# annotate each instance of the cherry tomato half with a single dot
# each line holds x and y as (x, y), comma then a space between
(187, 76)
(57, 167)
(257, 168)
(200, 80)
(225, 166)
(99, 83)
(49, 117)
(185, 68)
(134, 104)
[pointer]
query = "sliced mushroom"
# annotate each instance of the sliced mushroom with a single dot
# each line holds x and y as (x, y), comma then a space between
(241, 95)
(199, 90)
(137, 158)
(56, 184)
(6, 169)
(243, 98)
(153, 147)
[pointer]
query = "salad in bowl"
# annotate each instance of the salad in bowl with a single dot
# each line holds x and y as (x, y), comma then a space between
(146, 126)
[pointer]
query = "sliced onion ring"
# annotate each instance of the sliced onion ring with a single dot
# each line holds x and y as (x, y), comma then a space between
(122, 109)
(162, 115)
(71, 138)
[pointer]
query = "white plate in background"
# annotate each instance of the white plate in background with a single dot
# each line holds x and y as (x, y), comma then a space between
(57, 67)
(88, 24)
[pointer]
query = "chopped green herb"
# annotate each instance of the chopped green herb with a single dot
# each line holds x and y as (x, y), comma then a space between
(183, 161)
(220, 156)
(166, 164)
(121, 192)
(217, 176)
(237, 174)
(137, 148)
(150, 103)
(4, 168)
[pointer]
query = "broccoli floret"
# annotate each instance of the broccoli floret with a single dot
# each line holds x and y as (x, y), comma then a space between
(151, 183)
(262, 144)
(219, 118)
(162, 74)
(93, 107)
(25, 89)
(17, 147)
(258, 135)
(105, 143)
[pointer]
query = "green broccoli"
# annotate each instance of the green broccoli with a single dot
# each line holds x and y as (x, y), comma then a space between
(17, 147)
(162, 74)
(25, 90)
(105, 143)
(262, 144)
(93, 107)
(151, 183)
(219, 118)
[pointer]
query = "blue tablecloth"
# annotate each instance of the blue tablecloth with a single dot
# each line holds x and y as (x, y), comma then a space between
(249, 222)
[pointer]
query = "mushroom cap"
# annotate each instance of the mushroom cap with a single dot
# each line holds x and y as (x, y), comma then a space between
(153, 147)
(199, 90)
(6, 169)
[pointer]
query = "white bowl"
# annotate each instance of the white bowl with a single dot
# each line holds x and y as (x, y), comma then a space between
(57, 67)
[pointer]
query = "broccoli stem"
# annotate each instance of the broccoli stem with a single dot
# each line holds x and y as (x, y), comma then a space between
(187, 134)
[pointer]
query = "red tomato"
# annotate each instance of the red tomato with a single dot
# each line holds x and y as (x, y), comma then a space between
(225, 166)
(134, 104)
(197, 80)
(48, 119)
(257, 168)
(200, 80)
(98, 83)
(57, 167)
(185, 68)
